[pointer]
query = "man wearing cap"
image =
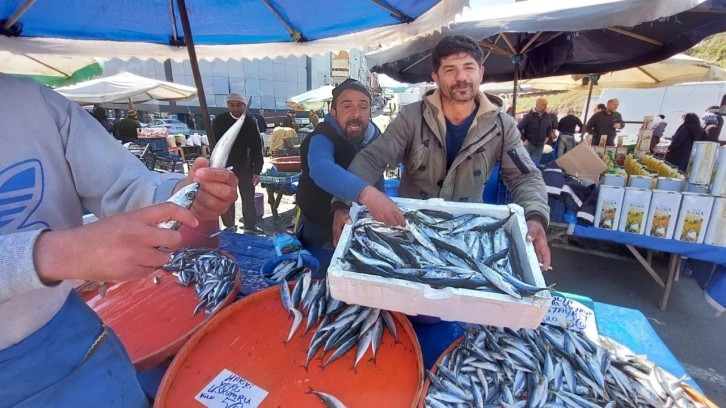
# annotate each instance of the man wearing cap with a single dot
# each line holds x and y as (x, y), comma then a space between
(448, 143)
(128, 125)
(245, 159)
(325, 156)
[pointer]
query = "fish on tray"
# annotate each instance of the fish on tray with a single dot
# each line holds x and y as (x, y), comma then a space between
(441, 250)
(211, 272)
(340, 327)
(548, 367)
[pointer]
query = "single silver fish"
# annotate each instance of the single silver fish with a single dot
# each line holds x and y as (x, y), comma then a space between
(185, 198)
(295, 323)
(329, 400)
(221, 151)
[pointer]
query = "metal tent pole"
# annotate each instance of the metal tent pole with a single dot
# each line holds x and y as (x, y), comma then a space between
(184, 17)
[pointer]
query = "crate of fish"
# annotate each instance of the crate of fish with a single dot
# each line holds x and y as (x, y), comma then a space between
(456, 261)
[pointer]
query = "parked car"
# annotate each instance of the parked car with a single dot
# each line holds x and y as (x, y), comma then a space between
(173, 126)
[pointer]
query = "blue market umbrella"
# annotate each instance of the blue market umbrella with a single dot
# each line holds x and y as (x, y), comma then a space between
(535, 39)
(208, 29)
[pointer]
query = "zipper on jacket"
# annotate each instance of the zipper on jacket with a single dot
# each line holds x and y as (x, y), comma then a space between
(518, 161)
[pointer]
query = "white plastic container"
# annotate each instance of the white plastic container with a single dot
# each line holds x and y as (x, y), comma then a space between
(451, 304)
(694, 188)
(645, 182)
(663, 214)
(607, 211)
(693, 217)
(617, 180)
(716, 232)
(634, 211)
(669, 184)
(701, 163)
(718, 185)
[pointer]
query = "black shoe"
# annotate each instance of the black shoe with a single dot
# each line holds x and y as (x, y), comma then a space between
(254, 230)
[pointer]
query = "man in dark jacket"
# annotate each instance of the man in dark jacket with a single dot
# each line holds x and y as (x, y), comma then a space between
(261, 121)
(536, 127)
(325, 156)
(245, 159)
(566, 127)
(605, 122)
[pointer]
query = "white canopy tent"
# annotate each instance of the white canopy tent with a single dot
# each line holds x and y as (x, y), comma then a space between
(315, 99)
(123, 87)
(677, 69)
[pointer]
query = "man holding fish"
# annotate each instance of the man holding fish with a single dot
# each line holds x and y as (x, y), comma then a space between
(325, 155)
(448, 144)
(54, 350)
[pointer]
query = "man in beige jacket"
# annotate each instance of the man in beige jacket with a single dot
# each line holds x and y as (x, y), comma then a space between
(448, 144)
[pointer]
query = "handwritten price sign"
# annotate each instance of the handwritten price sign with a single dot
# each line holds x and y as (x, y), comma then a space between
(571, 315)
(229, 390)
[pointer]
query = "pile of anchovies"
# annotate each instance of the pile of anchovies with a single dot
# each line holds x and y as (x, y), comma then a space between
(340, 326)
(212, 272)
(548, 367)
(289, 269)
(441, 250)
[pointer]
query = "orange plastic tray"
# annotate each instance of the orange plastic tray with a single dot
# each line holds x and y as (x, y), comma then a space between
(421, 403)
(247, 339)
(427, 384)
(153, 321)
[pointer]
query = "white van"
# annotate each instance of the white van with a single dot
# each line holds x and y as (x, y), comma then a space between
(673, 102)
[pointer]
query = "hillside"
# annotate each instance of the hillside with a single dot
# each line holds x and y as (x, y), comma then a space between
(712, 48)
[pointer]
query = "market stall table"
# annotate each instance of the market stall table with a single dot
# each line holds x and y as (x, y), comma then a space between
(278, 184)
(676, 249)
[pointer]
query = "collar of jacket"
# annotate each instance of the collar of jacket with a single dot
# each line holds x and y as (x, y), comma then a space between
(434, 113)
(372, 132)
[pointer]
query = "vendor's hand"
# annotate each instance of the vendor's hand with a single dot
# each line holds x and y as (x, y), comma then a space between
(118, 248)
(536, 235)
(217, 189)
(340, 219)
(525, 142)
(381, 207)
(616, 125)
(255, 179)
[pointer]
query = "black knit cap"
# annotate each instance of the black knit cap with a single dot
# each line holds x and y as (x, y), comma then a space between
(349, 83)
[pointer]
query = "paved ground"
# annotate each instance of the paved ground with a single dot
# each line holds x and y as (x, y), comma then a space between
(689, 327)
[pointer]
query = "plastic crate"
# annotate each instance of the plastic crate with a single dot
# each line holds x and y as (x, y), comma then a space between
(270, 177)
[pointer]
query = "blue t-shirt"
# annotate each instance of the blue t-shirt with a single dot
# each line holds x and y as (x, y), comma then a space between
(455, 135)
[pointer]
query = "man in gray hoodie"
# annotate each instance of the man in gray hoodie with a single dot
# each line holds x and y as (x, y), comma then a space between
(54, 350)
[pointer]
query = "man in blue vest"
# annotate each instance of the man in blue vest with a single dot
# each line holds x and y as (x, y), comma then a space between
(325, 156)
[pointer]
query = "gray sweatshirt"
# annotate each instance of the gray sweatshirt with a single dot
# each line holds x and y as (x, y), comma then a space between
(56, 159)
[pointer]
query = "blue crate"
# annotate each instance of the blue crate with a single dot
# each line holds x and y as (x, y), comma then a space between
(156, 145)
(557, 208)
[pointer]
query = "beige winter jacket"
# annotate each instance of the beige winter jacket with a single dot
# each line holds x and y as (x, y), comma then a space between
(417, 138)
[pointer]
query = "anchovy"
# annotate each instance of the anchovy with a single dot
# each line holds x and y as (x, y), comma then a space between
(223, 147)
(542, 373)
(184, 198)
(212, 273)
(296, 323)
(329, 400)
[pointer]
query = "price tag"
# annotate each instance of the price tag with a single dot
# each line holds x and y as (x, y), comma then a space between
(572, 315)
(229, 390)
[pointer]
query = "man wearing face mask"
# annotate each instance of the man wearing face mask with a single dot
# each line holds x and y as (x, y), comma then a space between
(325, 156)
(448, 144)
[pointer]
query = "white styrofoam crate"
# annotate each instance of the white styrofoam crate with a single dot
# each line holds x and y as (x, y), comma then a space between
(451, 304)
